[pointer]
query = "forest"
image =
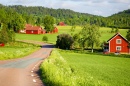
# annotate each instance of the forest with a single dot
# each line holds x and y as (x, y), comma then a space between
(16, 16)
(119, 20)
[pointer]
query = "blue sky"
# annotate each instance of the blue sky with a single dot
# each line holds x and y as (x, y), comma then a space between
(96, 7)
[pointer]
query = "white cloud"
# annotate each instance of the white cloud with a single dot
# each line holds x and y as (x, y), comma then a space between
(98, 12)
(123, 1)
(96, 7)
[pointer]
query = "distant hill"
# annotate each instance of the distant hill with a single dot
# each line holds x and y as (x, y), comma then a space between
(121, 19)
(68, 16)
(36, 14)
(40, 11)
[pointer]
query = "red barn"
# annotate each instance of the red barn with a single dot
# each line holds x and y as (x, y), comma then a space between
(117, 43)
(2, 44)
(34, 29)
(55, 30)
(61, 24)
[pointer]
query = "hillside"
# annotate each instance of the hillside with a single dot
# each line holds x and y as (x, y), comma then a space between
(40, 11)
(68, 16)
(121, 19)
(35, 15)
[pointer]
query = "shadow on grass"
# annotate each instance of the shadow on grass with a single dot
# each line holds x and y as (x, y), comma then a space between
(47, 46)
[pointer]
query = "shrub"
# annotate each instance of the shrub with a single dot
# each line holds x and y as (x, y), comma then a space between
(45, 38)
(64, 41)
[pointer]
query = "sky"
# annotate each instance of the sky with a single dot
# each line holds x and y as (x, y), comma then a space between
(96, 7)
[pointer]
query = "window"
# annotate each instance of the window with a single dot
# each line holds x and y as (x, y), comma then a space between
(32, 31)
(118, 41)
(118, 48)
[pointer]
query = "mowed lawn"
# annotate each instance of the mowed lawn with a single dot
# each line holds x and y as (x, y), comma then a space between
(51, 37)
(98, 70)
(105, 34)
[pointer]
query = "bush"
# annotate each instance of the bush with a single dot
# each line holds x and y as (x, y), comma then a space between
(45, 38)
(6, 36)
(64, 41)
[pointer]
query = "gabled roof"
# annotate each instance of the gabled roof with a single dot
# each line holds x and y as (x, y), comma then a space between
(30, 27)
(118, 34)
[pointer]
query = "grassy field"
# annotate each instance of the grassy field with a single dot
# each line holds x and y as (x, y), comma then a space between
(51, 37)
(74, 69)
(105, 34)
(16, 50)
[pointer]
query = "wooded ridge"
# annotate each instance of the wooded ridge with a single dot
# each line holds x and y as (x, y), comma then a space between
(35, 15)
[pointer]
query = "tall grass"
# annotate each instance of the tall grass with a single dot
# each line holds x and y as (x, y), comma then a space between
(55, 71)
(74, 69)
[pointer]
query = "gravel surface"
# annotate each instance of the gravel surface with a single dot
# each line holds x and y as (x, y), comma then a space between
(24, 71)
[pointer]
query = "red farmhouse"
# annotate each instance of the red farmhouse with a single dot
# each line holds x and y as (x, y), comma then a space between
(34, 29)
(117, 44)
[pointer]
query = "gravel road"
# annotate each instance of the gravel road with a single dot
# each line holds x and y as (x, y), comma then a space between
(24, 71)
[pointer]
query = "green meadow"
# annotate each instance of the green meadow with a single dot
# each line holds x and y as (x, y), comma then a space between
(16, 50)
(10, 53)
(105, 34)
(73, 69)
(66, 68)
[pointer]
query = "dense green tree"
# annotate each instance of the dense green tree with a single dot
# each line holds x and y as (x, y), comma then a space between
(72, 30)
(6, 36)
(128, 35)
(112, 30)
(49, 22)
(17, 23)
(64, 41)
(90, 35)
(116, 30)
(76, 38)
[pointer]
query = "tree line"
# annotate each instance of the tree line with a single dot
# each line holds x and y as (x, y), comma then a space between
(10, 22)
(119, 20)
(35, 15)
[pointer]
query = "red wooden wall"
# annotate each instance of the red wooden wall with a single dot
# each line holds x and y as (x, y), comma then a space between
(124, 45)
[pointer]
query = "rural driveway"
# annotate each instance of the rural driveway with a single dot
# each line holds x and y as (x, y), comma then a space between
(24, 71)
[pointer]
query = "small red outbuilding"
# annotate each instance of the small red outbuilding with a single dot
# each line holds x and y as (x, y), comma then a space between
(61, 24)
(117, 43)
(55, 30)
(2, 44)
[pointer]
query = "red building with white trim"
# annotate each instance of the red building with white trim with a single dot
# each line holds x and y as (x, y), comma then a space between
(29, 29)
(33, 29)
(117, 43)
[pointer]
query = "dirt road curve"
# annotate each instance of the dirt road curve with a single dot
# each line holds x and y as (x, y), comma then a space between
(23, 71)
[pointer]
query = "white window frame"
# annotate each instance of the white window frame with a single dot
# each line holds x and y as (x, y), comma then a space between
(118, 48)
(32, 31)
(117, 41)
